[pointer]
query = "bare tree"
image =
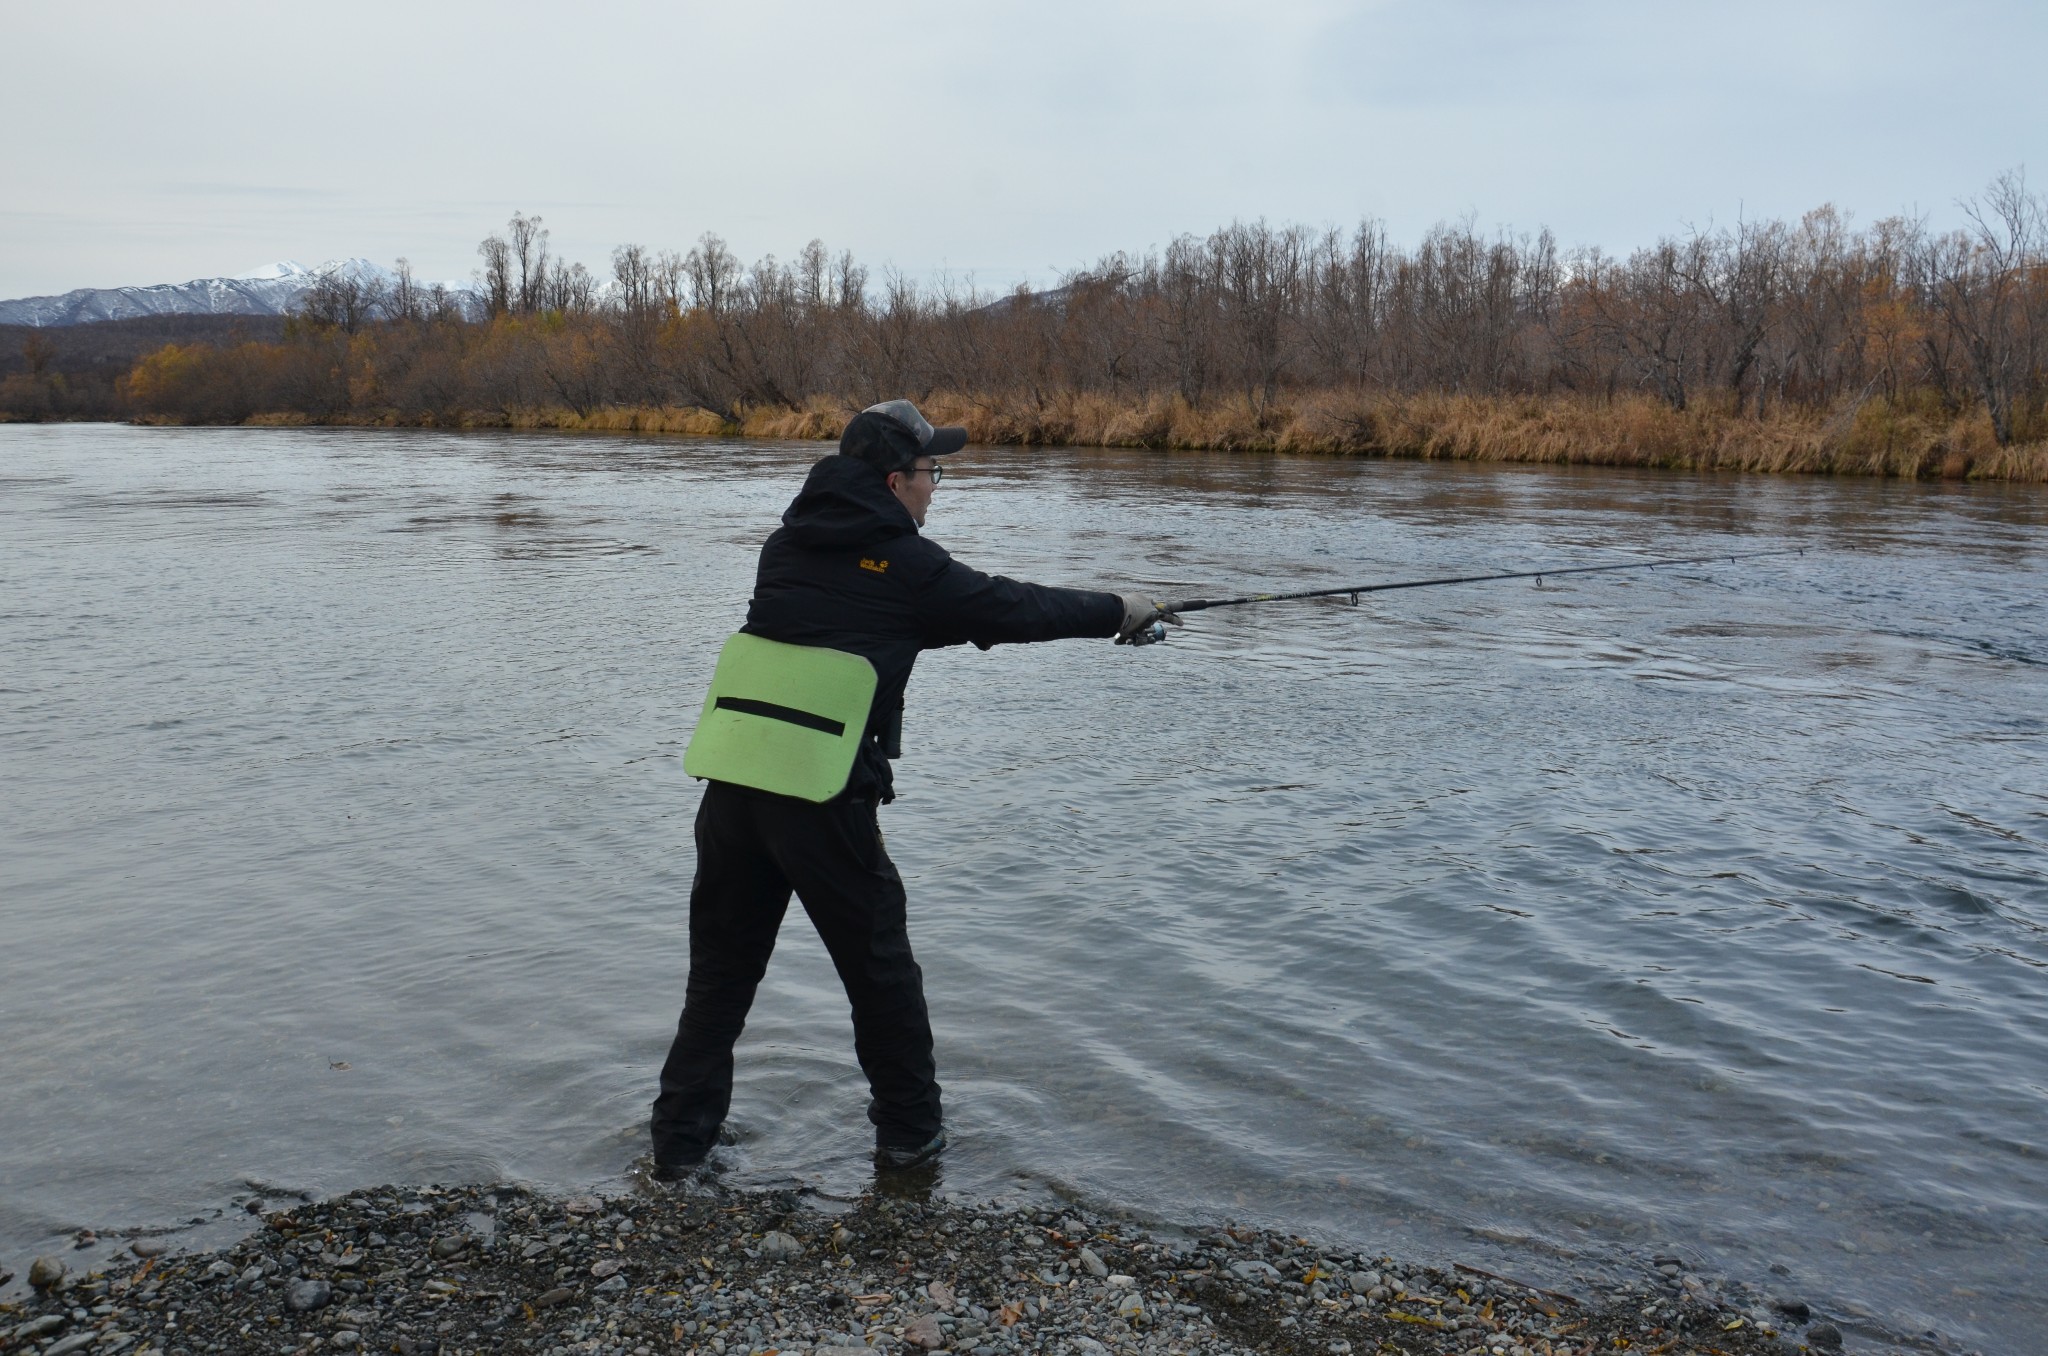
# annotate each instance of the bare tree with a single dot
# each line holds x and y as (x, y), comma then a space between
(528, 241)
(1650, 312)
(497, 274)
(568, 290)
(1187, 284)
(642, 306)
(406, 303)
(1346, 311)
(1984, 283)
(344, 299)
(1260, 271)
(849, 283)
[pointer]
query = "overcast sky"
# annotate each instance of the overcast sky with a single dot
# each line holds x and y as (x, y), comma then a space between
(1007, 141)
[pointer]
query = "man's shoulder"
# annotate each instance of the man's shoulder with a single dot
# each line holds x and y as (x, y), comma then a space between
(909, 556)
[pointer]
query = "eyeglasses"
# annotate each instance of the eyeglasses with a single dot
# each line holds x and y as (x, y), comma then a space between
(937, 472)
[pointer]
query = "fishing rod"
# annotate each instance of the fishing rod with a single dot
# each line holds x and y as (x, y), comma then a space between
(1352, 591)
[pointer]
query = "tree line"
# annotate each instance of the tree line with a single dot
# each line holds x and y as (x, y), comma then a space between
(1756, 320)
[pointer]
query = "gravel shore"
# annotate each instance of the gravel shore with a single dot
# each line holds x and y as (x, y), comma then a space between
(704, 1269)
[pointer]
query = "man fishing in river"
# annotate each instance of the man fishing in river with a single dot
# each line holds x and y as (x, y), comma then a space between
(804, 713)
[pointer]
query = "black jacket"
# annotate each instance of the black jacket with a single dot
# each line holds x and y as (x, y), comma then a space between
(848, 570)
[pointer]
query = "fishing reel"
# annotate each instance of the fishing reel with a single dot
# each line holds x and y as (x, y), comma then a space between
(1147, 635)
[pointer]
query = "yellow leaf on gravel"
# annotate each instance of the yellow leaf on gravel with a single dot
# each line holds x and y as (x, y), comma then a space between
(1420, 1320)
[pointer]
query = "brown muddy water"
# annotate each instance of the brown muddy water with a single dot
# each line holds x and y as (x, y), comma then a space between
(344, 839)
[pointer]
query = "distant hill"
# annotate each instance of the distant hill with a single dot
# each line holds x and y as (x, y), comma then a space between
(273, 290)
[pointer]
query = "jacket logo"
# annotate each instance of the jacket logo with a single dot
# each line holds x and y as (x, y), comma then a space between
(877, 566)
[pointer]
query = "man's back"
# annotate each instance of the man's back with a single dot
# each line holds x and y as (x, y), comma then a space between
(847, 570)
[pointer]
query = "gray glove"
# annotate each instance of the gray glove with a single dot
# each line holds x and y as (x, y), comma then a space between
(1141, 618)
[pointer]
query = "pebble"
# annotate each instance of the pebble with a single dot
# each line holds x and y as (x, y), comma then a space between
(149, 1247)
(78, 1341)
(453, 1245)
(777, 1245)
(45, 1272)
(706, 1268)
(1824, 1336)
(308, 1295)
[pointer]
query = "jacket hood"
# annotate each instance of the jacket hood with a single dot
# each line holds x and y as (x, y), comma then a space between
(845, 503)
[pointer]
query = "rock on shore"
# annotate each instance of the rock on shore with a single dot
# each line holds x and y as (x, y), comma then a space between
(701, 1269)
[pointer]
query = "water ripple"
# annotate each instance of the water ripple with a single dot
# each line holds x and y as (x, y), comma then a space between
(345, 840)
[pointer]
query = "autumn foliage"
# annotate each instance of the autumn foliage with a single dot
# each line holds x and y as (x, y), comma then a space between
(1809, 345)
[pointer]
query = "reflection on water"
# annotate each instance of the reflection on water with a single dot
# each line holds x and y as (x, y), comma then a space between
(345, 838)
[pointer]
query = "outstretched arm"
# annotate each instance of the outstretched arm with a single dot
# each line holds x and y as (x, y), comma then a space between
(958, 604)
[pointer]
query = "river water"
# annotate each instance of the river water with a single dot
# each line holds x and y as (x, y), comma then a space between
(344, 838)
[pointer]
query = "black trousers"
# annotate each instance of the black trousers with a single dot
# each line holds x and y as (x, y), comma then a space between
(753, 849)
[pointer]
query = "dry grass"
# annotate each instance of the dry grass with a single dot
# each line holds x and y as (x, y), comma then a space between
(686, 420)
(819, 419)
(1911, 439)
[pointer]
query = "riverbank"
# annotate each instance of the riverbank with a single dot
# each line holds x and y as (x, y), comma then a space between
(1914, 440)
(698, 1268)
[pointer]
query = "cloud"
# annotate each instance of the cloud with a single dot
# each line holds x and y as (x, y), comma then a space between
(1010, 138)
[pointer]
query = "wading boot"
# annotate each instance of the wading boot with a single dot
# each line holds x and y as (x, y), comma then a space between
(674, 1167)
(674, 1164)
(893, 1157)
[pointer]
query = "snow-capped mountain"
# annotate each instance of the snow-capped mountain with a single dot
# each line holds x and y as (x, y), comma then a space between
(273, 289)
